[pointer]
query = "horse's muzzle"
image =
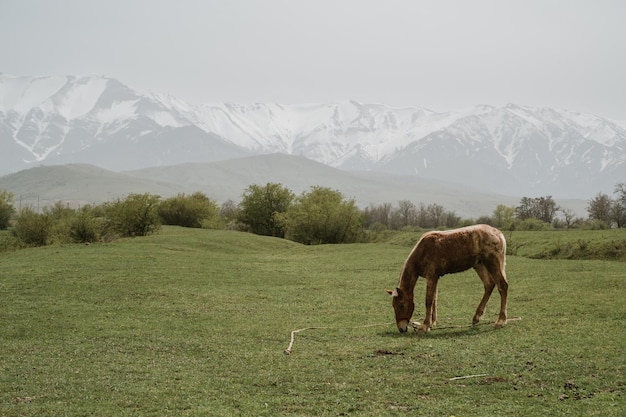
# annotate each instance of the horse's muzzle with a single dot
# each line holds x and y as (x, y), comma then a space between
(403, 325)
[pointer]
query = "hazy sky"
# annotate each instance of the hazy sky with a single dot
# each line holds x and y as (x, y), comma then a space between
(438, 54)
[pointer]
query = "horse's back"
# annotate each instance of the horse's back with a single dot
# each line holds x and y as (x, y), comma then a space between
(460, 249)
(476, 236)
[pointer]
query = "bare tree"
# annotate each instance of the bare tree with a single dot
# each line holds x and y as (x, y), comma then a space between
(407, 215)
(541, 208)
(568, 217)
(436, 214)
(547, 208)
(620, 190)
(380, 214)
(619, 205)
(422, 216)
(601, 208)
(526, 209)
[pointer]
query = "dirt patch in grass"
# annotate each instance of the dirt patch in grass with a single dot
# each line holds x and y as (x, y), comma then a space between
(574, 392)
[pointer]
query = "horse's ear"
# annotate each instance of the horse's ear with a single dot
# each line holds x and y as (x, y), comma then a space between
(389, 292)
(398, 292)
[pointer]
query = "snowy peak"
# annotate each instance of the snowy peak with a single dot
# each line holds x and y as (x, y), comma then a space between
(20, 94)
(95, 97)
(271, 127)
(98, 120)
(513, 149)
(68, 96)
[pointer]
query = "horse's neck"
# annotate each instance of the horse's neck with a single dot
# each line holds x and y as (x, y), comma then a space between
(412, 268)
(408, 277)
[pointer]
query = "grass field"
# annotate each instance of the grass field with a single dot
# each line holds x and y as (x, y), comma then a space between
(194, 323)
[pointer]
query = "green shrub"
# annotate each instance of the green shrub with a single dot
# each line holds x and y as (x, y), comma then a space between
(194, 210)
(323, 216)
(136, 215)
(8, 242)
(596, 225)
(33, 229)
(531, 224)
(262, 207)
(6, 208)
(85, 227)
(60, 216)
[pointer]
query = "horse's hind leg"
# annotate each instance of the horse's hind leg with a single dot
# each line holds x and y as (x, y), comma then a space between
(434, 314)
(489, 285)
(503, 288)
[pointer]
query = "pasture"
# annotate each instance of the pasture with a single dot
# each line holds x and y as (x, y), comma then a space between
(193, 322)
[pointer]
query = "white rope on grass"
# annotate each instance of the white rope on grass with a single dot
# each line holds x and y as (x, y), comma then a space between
(467, 377)
(293, 333)
(415, 325)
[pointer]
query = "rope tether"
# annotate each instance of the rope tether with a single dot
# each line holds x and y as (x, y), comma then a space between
(415, 325)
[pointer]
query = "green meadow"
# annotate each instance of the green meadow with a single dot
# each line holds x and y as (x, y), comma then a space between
(192, 322)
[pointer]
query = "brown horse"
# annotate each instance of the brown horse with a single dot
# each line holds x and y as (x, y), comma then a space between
(481, 247)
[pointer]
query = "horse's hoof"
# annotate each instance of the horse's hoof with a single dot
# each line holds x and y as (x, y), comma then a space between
(423, 329)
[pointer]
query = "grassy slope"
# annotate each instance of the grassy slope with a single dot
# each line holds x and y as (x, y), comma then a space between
(569, 244)
(194, 322)
(552, 244)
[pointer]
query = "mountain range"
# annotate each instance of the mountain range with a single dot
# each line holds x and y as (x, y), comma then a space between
(512, 150)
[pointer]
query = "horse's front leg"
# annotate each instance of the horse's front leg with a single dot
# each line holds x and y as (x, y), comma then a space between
(489, 285)
(431, 296)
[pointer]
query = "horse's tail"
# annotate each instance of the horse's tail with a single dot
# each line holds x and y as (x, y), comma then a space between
(503, 248)
(503, 253)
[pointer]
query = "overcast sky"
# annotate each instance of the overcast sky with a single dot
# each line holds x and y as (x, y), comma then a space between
(443, 55)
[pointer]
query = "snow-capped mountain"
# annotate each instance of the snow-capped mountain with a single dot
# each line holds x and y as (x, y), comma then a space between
(99, 120)
(513, 150)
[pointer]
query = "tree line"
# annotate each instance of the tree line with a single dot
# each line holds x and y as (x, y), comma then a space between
(320, 215)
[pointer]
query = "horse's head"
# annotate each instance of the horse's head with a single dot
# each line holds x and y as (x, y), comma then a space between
(403, 305)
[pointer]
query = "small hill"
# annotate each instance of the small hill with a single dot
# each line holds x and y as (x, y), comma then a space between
(76, 184)
(228, 179)
(80, 184)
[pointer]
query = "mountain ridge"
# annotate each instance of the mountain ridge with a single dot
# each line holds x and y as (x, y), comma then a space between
(80, 184)
(511, 150)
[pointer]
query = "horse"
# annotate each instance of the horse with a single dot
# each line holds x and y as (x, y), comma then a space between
(438, 253)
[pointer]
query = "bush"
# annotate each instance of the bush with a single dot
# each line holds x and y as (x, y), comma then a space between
(61, 216)
(33, 229)
(136, 215)
(8, 242)
(85, 227)
(6, 208)
(532, 224)
(323, 216)
(596, 225)
(262, 207)
(195, 210)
